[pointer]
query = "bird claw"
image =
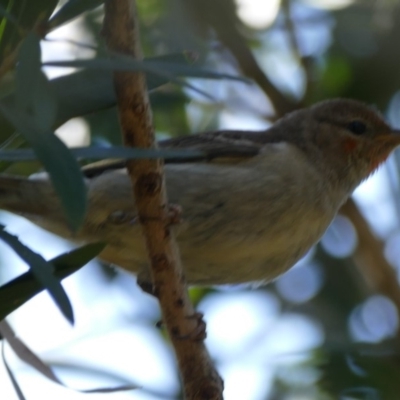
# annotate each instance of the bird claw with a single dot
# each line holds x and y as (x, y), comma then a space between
(174, 212)
(146, 285)
(173, 216)
(197, 334)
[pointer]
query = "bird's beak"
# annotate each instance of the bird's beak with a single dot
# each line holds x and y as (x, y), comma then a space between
(393, 138)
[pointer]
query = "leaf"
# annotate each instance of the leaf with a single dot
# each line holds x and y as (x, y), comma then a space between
(367, 393)
(25, 353)
(21, 289)
(33, 93)
(13, 142)
(59, 162)
(10, 374)
(193, 71)
(28, 356)
(34, 117)
(29, 15)
(43, 272)
(71, 10)
(163, 68)
(75, 259)
(109, 152)
(169, 70)
(85, 92)
(125, 64)
(9, 16)
(27, 71)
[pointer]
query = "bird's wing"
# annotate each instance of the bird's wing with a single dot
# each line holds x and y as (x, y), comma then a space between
(219, 146)
(95, 169)
(219, 143)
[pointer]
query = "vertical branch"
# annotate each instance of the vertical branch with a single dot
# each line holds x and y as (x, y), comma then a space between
(185, 327)
(305, 62)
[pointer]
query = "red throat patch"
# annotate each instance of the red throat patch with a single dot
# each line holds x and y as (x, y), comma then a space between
(349, 145)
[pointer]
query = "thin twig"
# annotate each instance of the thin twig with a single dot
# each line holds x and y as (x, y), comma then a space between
(222, 18)
(305, 62)
(200, 379)
(369, 257)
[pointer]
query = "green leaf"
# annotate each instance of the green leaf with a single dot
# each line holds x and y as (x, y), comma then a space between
(43, 272)
(125, 64)
(28, 15)
(33, 93)
(33, 117)
(85, 92)
(163, 68)
(109, 152)
(28, 67)
(59, 162)
(170, 70)
(71, 10)
(8, 16)
(21, 289)
(67, 263)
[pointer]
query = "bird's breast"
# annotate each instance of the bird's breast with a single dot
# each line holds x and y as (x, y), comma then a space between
(251, 221)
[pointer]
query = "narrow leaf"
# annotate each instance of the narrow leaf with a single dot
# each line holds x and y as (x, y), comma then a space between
(28, 356)
(21, 289)
(43, 272)
(34, 117)
(109, 152)
(9, 16)
(71, 10)
(125, 63)
(71, 261)
(28, 69)
(10, 374)
(192, 71)
(82, 93)
(25, 353)
(61, 165)
(88, 91)
(33, 91)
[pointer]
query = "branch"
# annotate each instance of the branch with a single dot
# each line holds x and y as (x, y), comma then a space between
(200, 379)
(221, 17)
(235, 42)
(304, 62)
(369, 256)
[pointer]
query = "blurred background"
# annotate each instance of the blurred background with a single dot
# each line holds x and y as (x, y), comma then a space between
(327, 329)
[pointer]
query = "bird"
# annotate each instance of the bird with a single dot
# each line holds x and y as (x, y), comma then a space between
(252, 207)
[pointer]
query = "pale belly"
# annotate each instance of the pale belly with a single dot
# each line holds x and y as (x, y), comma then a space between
(234, 243)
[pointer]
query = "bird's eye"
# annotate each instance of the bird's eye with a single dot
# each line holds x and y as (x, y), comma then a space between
(357, 127)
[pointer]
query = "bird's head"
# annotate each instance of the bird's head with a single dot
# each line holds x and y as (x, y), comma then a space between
(346, 138)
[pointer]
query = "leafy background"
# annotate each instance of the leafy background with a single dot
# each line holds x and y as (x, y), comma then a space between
(319, 332)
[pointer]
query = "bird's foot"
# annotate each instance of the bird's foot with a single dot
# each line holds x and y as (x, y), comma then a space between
(174, 212)
(143, 280)
(198, 333)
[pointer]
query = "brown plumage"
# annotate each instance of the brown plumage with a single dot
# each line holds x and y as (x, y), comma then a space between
(251, 208)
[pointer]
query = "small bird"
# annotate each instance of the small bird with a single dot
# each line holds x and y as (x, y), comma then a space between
(251, 210)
